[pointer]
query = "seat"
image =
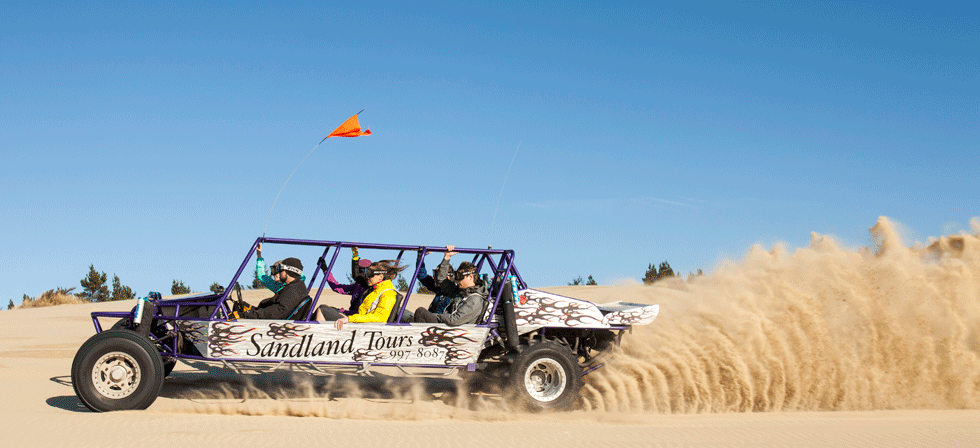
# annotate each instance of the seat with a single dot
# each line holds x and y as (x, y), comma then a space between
(487, 316)
(301, 310)
(393, 316)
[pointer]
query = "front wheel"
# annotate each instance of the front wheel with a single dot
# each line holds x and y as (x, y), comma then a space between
(117, 370)
(546, 376)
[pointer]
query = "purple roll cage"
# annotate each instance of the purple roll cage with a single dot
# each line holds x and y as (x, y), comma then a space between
(500, 262)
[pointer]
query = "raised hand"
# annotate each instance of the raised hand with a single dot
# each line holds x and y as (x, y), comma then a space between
(450, 251)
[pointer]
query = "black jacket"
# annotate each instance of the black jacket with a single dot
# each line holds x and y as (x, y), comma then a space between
(287, 304)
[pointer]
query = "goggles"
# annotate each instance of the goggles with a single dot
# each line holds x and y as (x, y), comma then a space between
(458, 275)
(368, 272)
(279, 267)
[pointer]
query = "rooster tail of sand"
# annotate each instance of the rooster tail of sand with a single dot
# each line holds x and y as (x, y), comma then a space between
(820, 328)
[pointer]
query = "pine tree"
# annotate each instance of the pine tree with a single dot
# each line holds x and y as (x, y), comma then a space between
(402, 284)
(120, 292)
(590, 282)
(256, 283)
(651, 275)
(93, 286)
(576, 281)
(10, 305)
(179, 288)
(665, 271)
(217, 289)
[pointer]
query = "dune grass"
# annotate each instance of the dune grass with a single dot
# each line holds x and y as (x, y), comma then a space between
(52, 297)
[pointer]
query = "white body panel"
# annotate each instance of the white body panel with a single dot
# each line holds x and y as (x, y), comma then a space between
(276, 340)
(623, 313)
(535, 308)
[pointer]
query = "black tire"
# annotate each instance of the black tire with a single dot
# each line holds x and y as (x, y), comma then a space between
(545, 376)
(168, 363)
(117, 370)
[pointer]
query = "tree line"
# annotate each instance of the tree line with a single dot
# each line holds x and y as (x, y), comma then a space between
(652, 275)
(94, 288)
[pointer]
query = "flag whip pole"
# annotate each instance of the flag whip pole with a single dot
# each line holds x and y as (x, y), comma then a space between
(291, 176)
(494, 219)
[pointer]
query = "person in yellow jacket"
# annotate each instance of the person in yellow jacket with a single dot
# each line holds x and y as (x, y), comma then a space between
(379, 301)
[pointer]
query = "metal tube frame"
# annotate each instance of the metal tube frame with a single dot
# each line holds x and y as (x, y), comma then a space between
(502, 268)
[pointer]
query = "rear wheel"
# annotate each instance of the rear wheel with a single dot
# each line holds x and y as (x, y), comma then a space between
(117, 370)
(546, 376)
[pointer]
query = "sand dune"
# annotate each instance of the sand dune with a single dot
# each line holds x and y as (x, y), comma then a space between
(821, 346)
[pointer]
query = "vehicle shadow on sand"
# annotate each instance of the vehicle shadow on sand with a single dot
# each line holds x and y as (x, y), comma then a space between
(199, 386)
(66, 402)
(220, 385)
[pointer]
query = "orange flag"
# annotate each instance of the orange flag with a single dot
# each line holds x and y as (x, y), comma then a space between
(350, 128)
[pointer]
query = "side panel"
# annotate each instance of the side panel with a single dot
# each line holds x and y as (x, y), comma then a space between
(638, 315)
(541, 309)
(272, 340)
(197, 332)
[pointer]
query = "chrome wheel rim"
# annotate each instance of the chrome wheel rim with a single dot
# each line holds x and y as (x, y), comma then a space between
(545, 380)
(116, 375)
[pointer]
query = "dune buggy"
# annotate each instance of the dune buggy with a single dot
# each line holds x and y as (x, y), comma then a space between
(537, 345)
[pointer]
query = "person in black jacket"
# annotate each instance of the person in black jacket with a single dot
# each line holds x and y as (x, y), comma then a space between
(288, 303)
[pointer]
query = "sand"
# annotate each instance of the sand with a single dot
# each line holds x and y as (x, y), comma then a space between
(821, 346)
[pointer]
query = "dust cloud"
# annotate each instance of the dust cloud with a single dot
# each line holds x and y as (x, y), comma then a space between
(338, 396)
(821, 328)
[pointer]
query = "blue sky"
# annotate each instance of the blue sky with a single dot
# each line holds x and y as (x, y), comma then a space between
(150, 138)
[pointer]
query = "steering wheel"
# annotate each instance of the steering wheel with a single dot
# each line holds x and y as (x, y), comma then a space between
(235, 304)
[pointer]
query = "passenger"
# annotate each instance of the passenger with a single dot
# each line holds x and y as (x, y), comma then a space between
(442, 298)
(356, 290)
(288, 300)
(377, 304)
(469, 297)
(270, 283)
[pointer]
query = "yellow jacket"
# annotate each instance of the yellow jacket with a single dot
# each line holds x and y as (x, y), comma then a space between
(384, 294)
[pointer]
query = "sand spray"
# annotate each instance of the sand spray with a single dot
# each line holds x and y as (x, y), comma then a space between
(821, 328)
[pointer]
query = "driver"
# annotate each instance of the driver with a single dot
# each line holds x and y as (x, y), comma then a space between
(288, 301)
(266, 279)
